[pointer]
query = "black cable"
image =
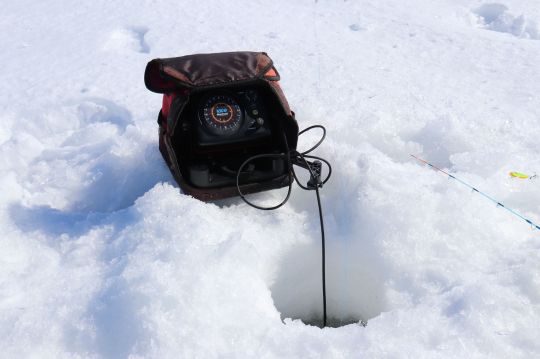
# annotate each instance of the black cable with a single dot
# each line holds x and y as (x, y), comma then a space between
(323, 256)
(268, 155)
(318, 143)
(295, 158)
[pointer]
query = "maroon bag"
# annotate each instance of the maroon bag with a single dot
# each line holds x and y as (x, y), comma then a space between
(218, 110)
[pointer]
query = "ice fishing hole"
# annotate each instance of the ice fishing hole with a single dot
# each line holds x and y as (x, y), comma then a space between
(354, 284)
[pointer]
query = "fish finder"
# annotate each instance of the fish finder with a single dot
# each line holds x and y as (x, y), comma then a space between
(219, 110)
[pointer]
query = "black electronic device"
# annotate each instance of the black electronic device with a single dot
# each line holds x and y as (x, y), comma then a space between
(227, 117)
(217, 111)
(220, 129)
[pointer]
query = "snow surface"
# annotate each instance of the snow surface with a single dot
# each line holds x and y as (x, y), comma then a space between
(101, 256)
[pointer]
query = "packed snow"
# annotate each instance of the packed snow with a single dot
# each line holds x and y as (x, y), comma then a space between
(102, 256)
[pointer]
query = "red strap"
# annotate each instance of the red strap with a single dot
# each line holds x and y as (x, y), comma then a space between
(167, 101)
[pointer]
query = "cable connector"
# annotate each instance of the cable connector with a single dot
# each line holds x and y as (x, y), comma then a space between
(315, 169)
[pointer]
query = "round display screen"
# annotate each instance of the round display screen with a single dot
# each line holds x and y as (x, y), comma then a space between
(221, 114)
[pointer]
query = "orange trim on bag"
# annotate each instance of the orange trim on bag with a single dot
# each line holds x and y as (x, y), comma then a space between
(270, 73)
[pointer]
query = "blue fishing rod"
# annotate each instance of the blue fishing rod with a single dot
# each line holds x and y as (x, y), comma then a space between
(499, 204)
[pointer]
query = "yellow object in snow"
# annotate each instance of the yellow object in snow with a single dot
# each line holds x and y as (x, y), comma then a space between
(519, 175)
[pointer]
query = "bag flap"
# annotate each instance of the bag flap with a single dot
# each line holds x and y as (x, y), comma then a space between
(208, 70)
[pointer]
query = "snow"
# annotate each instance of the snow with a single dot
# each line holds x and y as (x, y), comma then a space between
(101, 256)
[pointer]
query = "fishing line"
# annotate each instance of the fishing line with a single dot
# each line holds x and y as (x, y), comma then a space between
(498, 203)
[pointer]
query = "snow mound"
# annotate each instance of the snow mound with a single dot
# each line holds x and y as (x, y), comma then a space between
(496, 17)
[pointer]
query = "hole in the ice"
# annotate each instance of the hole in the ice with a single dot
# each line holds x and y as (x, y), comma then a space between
(354, 284)
(355, 269)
